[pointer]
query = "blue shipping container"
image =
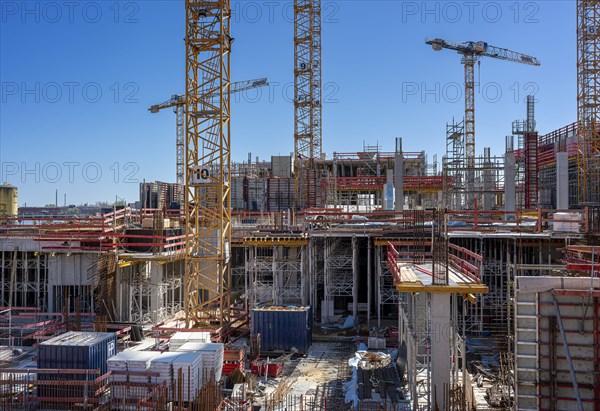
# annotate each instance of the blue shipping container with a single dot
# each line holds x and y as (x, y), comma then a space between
(282, 328)
(78, 350)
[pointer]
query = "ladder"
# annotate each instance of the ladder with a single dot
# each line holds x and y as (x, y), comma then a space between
(526, 350)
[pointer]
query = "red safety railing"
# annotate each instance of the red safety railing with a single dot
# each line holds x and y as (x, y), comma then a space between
(583, 258)
(411, 183)
(96, 233)
(465, 261)
(461, 259)
(367, 155)
(393, 258)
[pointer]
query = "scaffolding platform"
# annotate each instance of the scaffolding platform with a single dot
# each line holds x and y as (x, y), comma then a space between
(417, 278)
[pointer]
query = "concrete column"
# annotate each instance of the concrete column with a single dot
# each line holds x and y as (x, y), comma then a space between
(562, 181)
(246, 279)
(277, 281)
(326, 304)
(304, 280)
(355, 277)
(440, 350)
(122, 309)
(312, 274)
(378, 284)
(510, 199)
(399, 180)
(2, 270)
(156, 291)
(400, 325)
(488, 180)
(388, 191)
(251, 277)
(411, 369)
(369, 279)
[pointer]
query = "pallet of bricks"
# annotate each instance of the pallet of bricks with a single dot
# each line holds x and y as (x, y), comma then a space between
(234, 358)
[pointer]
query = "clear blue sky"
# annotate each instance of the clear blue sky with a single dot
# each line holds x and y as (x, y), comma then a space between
(77, 79)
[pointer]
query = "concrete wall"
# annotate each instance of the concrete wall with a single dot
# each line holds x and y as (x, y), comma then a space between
(74, 269)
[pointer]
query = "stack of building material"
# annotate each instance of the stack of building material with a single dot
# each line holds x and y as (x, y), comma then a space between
(167, 366)
(567, 222)
(190, 364)
(234, 359)
(191, 346)
(212, 357)
(163, 366)
(132, 361)
(180, 338)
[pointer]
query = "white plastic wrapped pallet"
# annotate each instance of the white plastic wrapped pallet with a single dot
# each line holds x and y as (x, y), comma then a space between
(568, 222)
(190, 364)
(180, 338)
(212, 356)
(168, 364)
(135, 361)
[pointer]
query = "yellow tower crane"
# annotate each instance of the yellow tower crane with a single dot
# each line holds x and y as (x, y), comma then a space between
(471, 52)
(177, 102)
(207, 162)
(307, 99)
(588, 101)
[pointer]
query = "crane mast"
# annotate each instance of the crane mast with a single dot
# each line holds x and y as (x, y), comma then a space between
(468, 60)
(307, 98)
(207, 162)
(588, 101)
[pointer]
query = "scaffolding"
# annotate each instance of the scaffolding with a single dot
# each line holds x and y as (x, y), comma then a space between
(387, 296)
(276, 274)
(477, 184)
(307, 98)
(588, 101)
(339, 276)
(24, 276)
(454, 165)
(562, 140)
(527, 159)
(357, 182)
(155, 292)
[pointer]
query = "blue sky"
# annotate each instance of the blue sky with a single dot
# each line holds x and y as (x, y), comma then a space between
(77, 78)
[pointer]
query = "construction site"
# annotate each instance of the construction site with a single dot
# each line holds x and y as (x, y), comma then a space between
(370, 278)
